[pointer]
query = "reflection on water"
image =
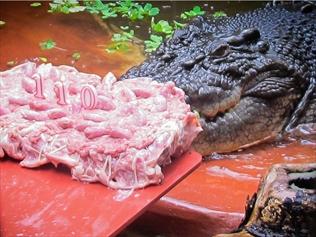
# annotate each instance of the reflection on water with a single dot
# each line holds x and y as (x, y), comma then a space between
(220, 171)
(224, 183)
(26, 27)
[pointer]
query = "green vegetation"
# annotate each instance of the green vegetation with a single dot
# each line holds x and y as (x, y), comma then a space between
(43, 59)
(133, 11)
(66, 6)
(11, 63)
(76, 56)
(153, 43)
(123, 37)
(117, 47)
(196, 11)
(138, 12)
(178, 25)
(98, 7)
(219, 14)
(36, 4)
(47, 44)
(127, 8)
(150, 10)
(161, 26)
(120, 41)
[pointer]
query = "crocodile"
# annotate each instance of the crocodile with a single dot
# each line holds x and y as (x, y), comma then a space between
(249, 77)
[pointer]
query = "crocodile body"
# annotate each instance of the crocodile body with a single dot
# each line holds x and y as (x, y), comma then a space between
(249, 77)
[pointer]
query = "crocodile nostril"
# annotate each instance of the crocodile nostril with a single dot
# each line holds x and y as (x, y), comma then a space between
(251, 34)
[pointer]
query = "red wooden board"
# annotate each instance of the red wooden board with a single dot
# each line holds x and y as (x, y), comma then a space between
(47, 202)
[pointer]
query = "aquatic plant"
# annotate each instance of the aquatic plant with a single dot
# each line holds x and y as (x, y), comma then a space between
(161, 26)
(65, 6)
(196, 11)
(47, 44)
(12, 63)
(219, 14)
(153, 43)
(36, 4)
(43, 59)
(124, 36)
(76, 56)
(120, 40)
(134, 11)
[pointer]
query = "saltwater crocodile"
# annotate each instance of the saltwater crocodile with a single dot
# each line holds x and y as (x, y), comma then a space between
(249, 77)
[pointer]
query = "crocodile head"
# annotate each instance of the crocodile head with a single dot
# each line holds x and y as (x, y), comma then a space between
(243, 90)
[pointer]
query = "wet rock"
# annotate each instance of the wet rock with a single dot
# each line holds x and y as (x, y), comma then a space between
(285, 204)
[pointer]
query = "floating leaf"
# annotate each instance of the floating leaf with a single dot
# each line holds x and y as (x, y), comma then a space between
(178, 25)
(136, 14)
(107, 12)
(149, 10)
(125, 6)
(76, 9)
(117, 47)
(148, 6)
(161, 26)
(11, 63)
(76, 56)
(36, 4)
(154, 11)
(125, 36)
(48, 44)
(196, 11)
(219, 14)
(65, 6)
(153, 43)
(43, 59)
(135, 11)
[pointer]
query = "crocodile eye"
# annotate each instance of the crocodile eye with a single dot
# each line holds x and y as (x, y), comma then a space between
(220, 50)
